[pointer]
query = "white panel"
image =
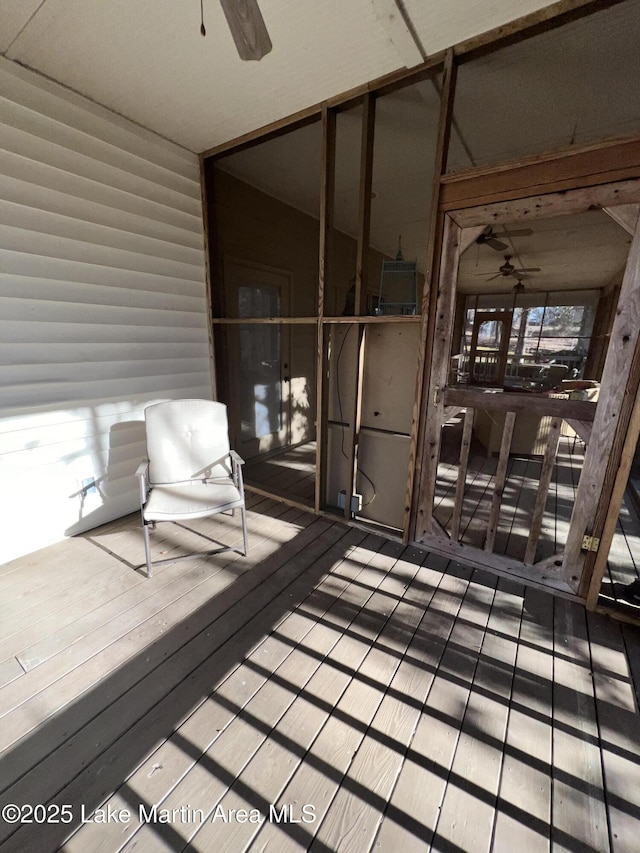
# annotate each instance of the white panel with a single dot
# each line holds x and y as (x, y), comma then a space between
(103, 306)
(382, 478)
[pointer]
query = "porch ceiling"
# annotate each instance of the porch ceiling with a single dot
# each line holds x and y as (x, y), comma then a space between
(147, 60)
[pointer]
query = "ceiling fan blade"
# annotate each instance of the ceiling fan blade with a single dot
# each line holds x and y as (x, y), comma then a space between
(520, 232)
(247, 28)
(496, 244)
(491, 278)
(530, 269)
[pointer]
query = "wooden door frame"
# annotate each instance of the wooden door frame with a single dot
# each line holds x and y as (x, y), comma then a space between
(618, 389)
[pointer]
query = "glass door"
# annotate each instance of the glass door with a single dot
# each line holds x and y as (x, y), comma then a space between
(259, 366)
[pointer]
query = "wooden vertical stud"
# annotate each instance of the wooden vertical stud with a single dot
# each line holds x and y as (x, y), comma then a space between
(434, 240)
(327, 192)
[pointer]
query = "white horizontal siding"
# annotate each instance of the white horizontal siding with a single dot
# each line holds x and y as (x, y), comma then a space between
(103, 307)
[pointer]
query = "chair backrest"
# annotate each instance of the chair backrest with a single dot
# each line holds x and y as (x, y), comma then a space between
(187, 440)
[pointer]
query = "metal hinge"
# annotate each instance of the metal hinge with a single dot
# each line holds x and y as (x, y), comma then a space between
(590, 543)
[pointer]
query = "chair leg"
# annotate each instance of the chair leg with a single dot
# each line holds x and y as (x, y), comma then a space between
(147, 547)
(243, 510)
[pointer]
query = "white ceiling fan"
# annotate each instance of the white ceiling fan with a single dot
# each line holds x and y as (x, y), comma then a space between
(247, 26)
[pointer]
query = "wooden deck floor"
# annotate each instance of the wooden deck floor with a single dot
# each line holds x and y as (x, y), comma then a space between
(290, 472)
(411, 704)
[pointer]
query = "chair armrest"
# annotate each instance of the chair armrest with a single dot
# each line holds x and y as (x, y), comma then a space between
(236, 468)
(142, 473)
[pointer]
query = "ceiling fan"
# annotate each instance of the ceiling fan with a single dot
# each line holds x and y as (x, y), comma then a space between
(489, 237)
(247, 26)
(507, 269)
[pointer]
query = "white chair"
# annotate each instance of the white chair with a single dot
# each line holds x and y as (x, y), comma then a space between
(190, 472)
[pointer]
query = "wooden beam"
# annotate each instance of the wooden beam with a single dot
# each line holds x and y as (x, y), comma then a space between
(514, 207)
(434, 405)
(622, 477)
(462, 474)
(551, 578)
(355, 422)
(265, 321)
(548, 462)
(364, 217)
(612, 414)
(605, 164)
(626, 215)
(374, 319)
(500, 479)
(582, 428)
(429, 298)
(512, 401)
(327, 192)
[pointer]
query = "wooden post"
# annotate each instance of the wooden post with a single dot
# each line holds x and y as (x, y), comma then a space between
(364, 223)
(501, 476)
(366, 176)
(462, 473)
(612, 416)
(439, 376)
(433, 261)
(620, 485)
(549, 460)
(327, 192)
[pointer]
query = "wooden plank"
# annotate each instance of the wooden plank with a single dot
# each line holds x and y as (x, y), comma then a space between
(548, 462)
(170, 698)
(362, 701)
(612, 414)
(445, 118)
(617, 495)
(549, 204)
(500, 479)
(582, 428)
(364, 202)
(618, 731)
(372, 319)
(412, 818)
(327, 193)
(271, 713)
(355, 422)
(264, 321)
(467, 812)
(505, 566)
(548, 175)
(438, 378)
(43, 694)
(407, 816)
(513, 401)
(579, 818)
(523, 809)
(462, 473)
(76, 613)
